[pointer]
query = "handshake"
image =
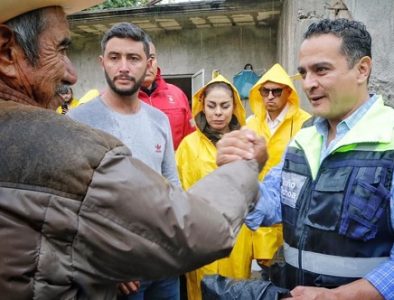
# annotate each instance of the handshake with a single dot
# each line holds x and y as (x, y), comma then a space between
(241, 144)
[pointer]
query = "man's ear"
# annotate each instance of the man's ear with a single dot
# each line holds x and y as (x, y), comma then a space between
(101, 61)
(149, 63)
(7, 52)
(364, 67)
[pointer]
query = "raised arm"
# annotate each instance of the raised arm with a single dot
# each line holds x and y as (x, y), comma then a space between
(142, 227)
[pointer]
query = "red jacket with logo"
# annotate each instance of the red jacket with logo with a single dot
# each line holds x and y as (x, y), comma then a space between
(173, 102)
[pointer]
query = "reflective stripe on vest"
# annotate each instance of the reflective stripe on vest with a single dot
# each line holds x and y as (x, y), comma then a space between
(354, 267)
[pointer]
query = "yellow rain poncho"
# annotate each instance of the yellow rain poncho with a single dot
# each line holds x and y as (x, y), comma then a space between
(266, 240)
(196, 158)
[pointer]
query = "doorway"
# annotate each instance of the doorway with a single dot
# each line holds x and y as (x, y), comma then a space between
(183, 81)
(188, 83)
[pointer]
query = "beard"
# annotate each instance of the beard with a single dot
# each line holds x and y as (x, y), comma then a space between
(124, 91)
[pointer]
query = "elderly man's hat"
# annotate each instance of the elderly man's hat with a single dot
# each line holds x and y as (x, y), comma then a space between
(12, 8)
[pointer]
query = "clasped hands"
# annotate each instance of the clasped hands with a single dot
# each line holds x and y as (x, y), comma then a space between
(241, 144)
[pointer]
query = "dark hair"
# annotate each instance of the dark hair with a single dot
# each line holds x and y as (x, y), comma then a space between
(216, 84)
(148, 38)
(126, 30)
(356, 40)
(27, 29)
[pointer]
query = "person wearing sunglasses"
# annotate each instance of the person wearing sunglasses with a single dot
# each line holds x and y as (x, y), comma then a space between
(277, 117)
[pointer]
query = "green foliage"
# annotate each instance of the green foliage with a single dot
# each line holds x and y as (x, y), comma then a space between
(119, 3)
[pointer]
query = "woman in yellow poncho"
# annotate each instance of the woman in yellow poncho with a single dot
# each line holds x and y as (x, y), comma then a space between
(217, 109)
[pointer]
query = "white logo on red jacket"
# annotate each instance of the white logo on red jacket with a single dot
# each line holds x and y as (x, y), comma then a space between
(170, 99)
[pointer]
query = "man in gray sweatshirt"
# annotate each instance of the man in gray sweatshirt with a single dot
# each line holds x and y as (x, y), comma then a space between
(141, 127)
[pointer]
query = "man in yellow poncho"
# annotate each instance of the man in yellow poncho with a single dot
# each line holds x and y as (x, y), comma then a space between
(277, 117)
(217, 109)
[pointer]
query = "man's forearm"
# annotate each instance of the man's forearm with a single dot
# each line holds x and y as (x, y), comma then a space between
(359, 289)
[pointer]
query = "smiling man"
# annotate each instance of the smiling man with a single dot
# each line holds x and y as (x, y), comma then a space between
(334, 191)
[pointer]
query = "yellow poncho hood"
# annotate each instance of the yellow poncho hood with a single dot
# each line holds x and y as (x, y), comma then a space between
(278, 75)
(198, 105)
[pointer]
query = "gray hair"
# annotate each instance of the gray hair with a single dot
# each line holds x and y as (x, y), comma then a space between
(27, 29)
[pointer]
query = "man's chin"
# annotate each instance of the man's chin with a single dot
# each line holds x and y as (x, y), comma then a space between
(125, 92)
(320, 112)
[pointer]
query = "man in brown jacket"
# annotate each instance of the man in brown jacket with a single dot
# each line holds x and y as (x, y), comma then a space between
(76, 210)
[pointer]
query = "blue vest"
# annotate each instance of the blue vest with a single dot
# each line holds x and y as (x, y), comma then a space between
(336, 213)
(337, 227)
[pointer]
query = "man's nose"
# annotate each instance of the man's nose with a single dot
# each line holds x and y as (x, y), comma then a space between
(309, 81)
(124, 65)
(70, 75)
(270, 94)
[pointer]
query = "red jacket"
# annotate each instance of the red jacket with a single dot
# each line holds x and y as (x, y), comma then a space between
(173, 102)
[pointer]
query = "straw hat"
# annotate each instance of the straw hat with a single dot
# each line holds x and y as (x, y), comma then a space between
(12, 8)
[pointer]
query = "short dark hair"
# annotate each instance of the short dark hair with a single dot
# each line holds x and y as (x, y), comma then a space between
(356, 40)
(126, 30)
(27, 29)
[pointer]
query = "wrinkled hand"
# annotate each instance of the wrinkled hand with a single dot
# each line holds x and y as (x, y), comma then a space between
(127, 288)
(241, 144)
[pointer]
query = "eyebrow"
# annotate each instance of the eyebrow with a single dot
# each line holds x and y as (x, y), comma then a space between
(314, 66)
(223, 102)
(301, 70)
(119, 52)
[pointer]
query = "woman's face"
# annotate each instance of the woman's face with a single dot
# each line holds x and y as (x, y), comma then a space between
(218, 108)
(67, 96)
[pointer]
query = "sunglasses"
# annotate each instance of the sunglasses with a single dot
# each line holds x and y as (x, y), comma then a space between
(275, 92)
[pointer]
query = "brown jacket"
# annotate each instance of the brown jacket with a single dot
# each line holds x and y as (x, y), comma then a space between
(76, 210)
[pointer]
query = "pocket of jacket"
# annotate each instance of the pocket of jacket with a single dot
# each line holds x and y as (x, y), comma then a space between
(326, 199)
(367, 204)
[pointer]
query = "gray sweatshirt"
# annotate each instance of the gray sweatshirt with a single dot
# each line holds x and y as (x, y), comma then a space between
(147, 133)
